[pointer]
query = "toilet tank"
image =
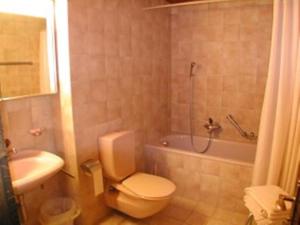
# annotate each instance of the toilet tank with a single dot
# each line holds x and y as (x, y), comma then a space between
(117, 153)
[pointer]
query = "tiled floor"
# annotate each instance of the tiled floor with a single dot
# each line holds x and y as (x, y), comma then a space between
(184, 212)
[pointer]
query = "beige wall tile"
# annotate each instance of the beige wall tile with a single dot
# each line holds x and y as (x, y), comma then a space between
(207, 187)
(119, 78)
(232, 46)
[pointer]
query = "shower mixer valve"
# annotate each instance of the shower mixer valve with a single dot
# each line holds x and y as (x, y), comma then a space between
(212, 126)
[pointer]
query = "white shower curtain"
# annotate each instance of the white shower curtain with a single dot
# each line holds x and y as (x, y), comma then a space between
(278, 148)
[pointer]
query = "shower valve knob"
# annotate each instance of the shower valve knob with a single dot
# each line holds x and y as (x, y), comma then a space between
(212, 126)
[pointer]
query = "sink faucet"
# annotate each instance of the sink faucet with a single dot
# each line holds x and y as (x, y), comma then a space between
(9, 149)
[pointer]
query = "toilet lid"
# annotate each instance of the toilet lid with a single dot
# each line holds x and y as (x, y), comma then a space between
(149, 186)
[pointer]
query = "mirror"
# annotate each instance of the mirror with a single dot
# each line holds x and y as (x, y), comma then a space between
(27, 49)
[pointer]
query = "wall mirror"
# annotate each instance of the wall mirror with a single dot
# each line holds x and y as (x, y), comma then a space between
(27, 48)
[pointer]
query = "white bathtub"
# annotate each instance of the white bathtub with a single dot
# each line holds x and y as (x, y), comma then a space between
(228, 151)
(222, 173)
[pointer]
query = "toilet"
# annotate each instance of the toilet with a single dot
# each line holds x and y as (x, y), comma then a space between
(136, 194)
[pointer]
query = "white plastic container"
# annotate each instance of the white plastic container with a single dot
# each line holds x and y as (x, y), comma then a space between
(59, 211)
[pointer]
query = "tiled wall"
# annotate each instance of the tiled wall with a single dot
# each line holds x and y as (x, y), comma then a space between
(120, 79)
(231, 43)
(120, 57)
(20, 41)
(19, 116)
(211, 183)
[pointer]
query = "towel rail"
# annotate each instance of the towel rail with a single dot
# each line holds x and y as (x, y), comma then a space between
(186, 3)
(16, 63)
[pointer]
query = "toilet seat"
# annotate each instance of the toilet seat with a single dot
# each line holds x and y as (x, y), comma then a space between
(148, 186)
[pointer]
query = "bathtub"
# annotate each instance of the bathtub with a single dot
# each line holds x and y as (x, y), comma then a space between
(218, 176)
(227, 151)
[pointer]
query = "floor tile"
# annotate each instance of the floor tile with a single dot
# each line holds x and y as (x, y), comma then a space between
(177, 212)
(132, 222)
(164, 221)
(184, 203)
(224, 215)
(114, 219)
(239, 218)
(197, 218)
(217, 222)
(206, 209)
(183, 211)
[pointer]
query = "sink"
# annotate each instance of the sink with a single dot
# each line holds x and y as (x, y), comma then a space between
(31, 168)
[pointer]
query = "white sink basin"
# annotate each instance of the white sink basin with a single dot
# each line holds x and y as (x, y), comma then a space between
(31, 168)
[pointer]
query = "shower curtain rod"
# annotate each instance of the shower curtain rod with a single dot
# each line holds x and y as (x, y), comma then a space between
(185, 4)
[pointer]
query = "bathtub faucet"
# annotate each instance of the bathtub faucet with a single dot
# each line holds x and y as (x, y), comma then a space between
(212, 126)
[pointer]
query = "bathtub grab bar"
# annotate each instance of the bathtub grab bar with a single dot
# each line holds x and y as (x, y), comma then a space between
(236, 125)
(243, 133)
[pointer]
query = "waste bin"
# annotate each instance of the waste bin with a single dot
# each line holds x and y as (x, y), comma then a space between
(59, 211)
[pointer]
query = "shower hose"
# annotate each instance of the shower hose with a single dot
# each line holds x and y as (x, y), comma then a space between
(206, 148)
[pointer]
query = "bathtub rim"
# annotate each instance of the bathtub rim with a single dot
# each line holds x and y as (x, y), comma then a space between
(217, 140)
(200, 155)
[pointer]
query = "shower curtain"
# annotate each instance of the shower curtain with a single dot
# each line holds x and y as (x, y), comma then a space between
(8, 206)
(278, 147)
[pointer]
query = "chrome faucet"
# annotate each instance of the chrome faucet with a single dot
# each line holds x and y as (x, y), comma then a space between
(212, 126)
(9, 149)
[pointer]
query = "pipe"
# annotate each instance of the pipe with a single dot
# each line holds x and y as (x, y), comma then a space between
(23, 210)
(185, 4)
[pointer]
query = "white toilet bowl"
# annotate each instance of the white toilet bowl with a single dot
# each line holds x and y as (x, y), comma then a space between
(141, 195)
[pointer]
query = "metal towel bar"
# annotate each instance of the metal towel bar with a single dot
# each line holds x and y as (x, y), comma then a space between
(15, 63)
